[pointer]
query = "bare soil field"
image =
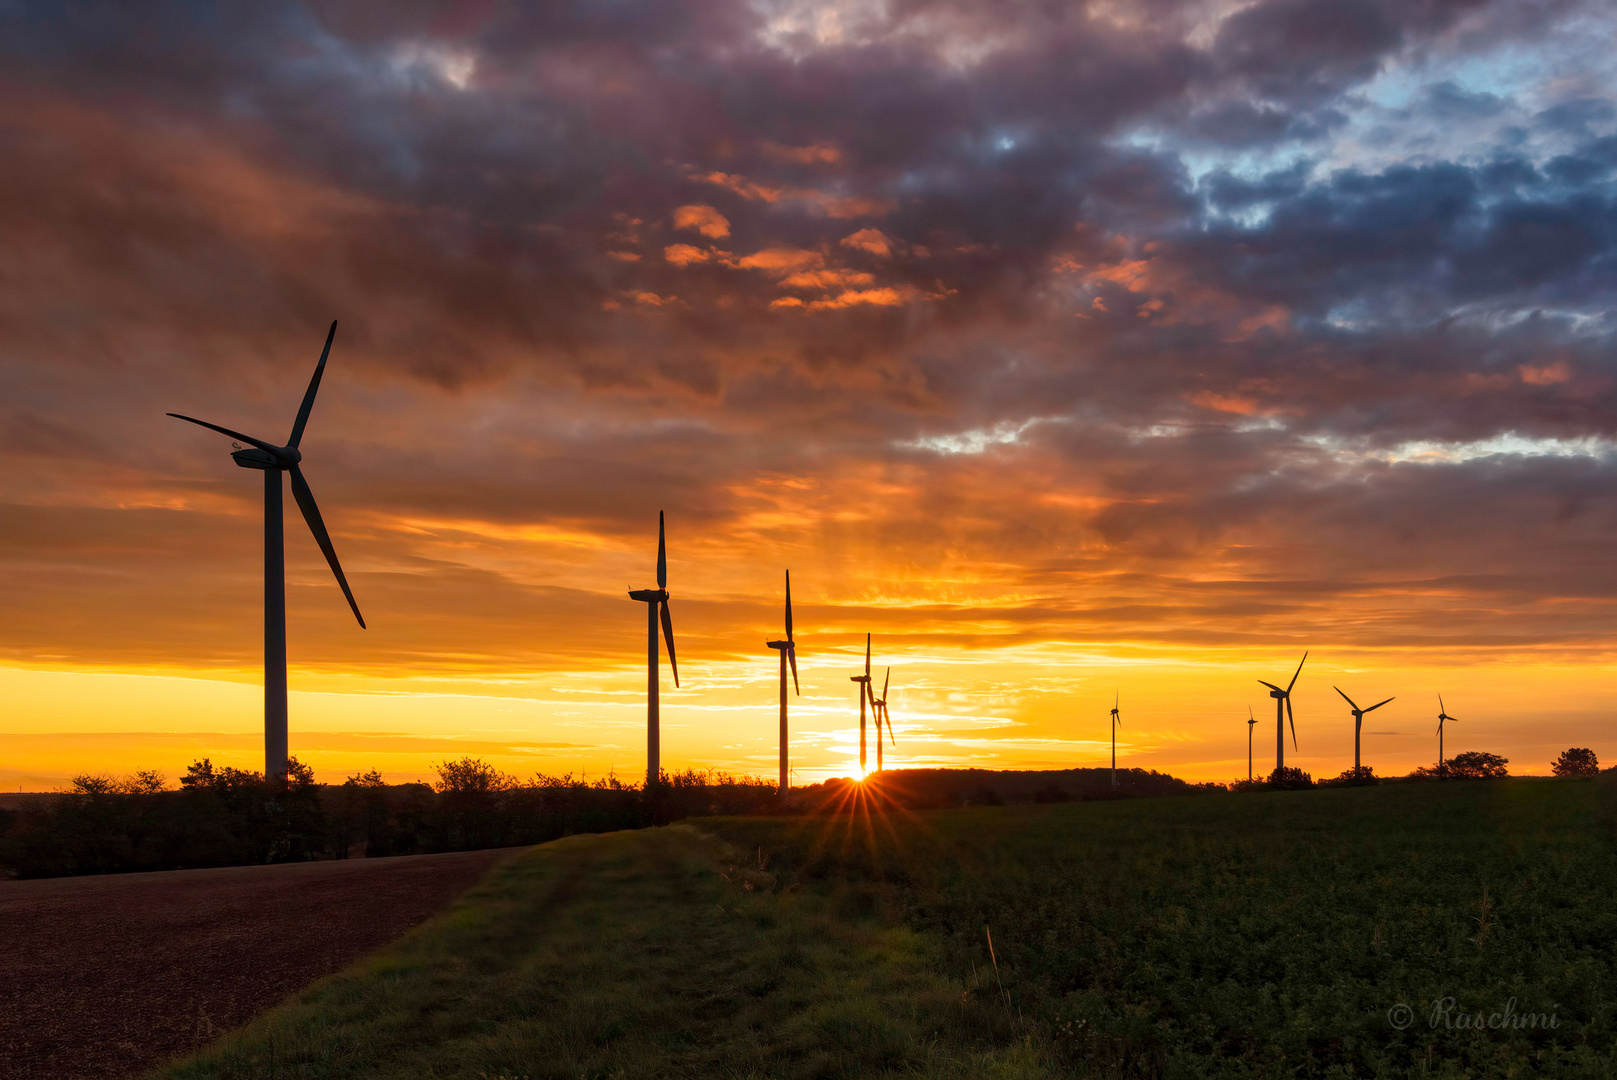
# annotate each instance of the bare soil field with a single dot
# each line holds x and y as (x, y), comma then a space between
(111, 976)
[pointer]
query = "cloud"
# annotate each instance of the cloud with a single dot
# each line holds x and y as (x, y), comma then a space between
(704, 219)
(1312, 304)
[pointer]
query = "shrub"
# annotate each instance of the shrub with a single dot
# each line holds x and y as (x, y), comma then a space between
(1476, 765)
(1358, 777)
(1289, 778)
(1578, 761)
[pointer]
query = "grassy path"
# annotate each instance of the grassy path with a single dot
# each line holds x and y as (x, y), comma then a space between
(659, 953)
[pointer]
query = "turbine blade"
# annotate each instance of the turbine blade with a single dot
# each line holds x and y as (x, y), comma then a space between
(1271, 686)
(885, 680)
(668, 637)
(1292, 721)
(788, 605)
(314, 387)
(260, 443)
(1299, 671)
(662, 556)
(791, 658)
(1440, 706)
(1378, 705)
(887, 716)
(1347, 699)
(311, 514)
(867, 659)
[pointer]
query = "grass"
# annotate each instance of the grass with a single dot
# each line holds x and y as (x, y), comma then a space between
(655, 953)
(1263, 935)
(1268, 935)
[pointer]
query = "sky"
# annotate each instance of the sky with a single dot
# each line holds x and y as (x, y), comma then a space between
(1070, 350)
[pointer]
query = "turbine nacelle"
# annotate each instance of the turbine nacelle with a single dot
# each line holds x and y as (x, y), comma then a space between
(781, 644)
(649, 596)
(256, 459)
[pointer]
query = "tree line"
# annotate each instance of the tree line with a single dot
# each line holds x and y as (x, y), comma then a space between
(1576, 761)
(222, 816)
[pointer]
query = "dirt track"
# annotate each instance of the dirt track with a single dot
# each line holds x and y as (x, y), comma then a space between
(111, 976)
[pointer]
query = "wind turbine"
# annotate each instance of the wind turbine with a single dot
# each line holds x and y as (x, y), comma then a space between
(656, 601)
(864, 692)
(1358, 722)
(1116, 700)
(1283, 713)
(1251, 722)
(878, 713)
(788, 655)
(274, 460)
(1442, 715)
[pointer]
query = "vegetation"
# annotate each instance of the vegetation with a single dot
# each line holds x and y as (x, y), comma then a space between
(226, 816)
(646, 954)
(1471, 765)
(1408, 930)
(1342, 932)
(1578, 761)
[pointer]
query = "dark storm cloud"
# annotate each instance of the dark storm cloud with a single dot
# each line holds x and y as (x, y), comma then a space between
(1083, 290)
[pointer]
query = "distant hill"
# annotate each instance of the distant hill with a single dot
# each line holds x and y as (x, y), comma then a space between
(922, 788)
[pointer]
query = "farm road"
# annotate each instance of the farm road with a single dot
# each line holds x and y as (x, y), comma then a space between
(111, 976)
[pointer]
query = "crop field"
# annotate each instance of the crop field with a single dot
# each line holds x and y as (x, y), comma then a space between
(1419, 930)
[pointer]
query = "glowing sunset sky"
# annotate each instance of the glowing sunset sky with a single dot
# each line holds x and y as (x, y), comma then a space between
(1067, 348)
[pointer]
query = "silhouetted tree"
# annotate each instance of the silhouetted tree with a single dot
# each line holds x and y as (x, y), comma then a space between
(1358, 777)
(1578, 761)
(1289, 778)
(471, 794)
(1476, 765)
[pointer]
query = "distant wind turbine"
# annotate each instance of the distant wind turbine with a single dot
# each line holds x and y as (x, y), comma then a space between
(1251, 722)
(1116, 723)
(274, 460)
(788, 655)
(656, 601)
(878, 713)
(1283, 713)
(1442, 715)
(1358, 723)
(864, 693)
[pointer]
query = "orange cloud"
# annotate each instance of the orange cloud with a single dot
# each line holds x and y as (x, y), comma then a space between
(827, 279)
(871, 240)
(781, 259)
(818, 153)
(1225, 403)
(834, 206)
(704, 219)
(685, 254)
(1548, 375)
(884, 297)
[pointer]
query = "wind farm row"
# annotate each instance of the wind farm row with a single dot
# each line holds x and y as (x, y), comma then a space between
(274, 460)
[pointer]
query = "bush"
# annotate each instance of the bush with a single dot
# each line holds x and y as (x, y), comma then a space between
(1289, 779)
(1471, 765)
(1358, 777)
(1578, 761)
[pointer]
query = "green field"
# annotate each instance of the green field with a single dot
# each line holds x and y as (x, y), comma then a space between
(1273, 935)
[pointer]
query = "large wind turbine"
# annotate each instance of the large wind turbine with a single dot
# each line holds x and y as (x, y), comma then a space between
(788, 655)
(1251, 722)
(1283, 713)
(273, 460)
(864, 692)
(1358, 722)
(1442, 715)
(1116, 700)
(878, 714)
(656, 601)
